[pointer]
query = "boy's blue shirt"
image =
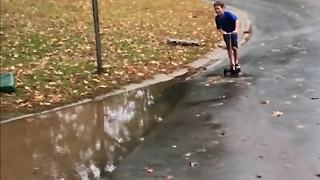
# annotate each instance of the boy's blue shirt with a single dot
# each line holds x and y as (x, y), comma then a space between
(226, 22)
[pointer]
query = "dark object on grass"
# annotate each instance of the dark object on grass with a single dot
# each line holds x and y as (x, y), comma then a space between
(7, 83)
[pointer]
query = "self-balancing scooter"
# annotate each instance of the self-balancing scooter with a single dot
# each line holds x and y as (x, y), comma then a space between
(232, 71)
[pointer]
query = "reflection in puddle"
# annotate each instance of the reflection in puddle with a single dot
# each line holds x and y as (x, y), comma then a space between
(85, 141)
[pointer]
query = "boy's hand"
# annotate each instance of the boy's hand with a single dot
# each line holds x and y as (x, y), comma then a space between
(223, 32)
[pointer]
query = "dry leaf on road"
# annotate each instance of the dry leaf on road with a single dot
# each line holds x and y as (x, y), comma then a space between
(265, 102)
(277, 113)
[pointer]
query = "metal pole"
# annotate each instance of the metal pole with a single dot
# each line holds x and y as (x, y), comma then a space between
(97, 34)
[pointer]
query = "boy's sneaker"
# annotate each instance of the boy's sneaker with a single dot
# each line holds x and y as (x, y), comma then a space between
(238, 67)
(233, 70)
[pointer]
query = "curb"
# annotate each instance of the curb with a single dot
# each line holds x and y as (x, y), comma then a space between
(211, 60)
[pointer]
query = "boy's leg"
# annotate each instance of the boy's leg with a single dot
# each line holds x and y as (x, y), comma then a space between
(231, 57)
(236, 59)
(235, 55)
(235, 50)
(228, 42)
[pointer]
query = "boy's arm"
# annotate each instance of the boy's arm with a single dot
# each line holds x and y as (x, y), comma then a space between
(219, 27)
(234, 18)
(237, 26)
(222, 31)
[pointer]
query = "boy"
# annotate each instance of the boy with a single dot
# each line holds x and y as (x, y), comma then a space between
(228, 24)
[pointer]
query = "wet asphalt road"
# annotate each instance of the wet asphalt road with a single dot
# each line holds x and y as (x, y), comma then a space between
(222, 130)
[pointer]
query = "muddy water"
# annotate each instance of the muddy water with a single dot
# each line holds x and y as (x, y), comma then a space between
(85, 141)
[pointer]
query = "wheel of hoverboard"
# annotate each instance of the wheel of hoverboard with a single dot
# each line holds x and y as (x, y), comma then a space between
(225, 72)
(234, 73)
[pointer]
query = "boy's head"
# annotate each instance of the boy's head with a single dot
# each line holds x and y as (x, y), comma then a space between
(219, 7)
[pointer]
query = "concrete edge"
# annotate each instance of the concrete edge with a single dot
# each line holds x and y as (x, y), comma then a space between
(211, 60)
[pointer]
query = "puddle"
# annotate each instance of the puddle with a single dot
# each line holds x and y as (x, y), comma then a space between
(85, 141)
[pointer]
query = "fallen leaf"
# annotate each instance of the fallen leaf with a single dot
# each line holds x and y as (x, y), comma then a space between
(159, 119)
(275, 50)
(45, 103)
(38, 97)
(201, 150)
(29, 120)
(193, 164)
(35, 170)
(287, 166)
(102, 86)
(277, 113)
(110, 168)
(215, 142)
(55, 98)
(96, 80)
(300, 126)
(149, 170)
(121, 140)
(265, 102)
(169, 177)
(258, 176)
(212, 80)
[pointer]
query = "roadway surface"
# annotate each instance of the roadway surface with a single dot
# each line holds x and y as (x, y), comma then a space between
(262, 125)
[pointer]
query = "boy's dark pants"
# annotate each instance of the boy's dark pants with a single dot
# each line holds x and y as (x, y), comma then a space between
(234, 40)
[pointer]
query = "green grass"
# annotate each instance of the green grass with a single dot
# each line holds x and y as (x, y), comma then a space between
(24, 51)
